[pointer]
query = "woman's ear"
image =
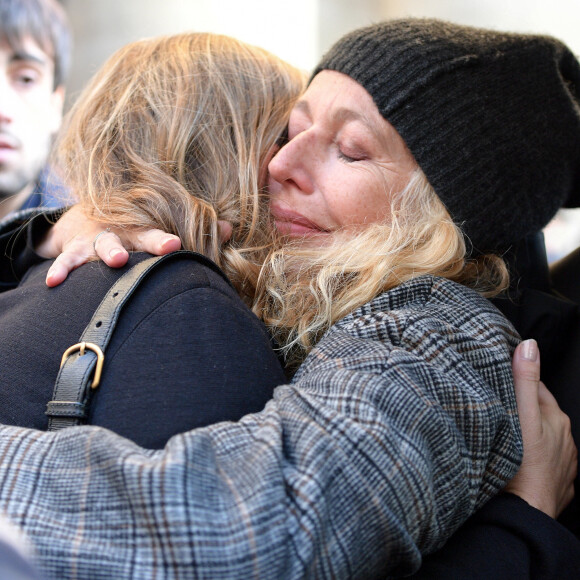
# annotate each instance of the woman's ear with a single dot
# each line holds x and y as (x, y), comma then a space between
(225, 231)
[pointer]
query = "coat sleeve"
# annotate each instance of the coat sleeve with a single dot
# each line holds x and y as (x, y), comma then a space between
(18, 236)
(330, 480)
(506, 540)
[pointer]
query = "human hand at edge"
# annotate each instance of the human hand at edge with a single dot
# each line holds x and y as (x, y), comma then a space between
(545, 479)
(72, 241)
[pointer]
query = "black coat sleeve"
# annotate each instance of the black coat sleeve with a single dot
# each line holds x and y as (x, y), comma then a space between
(507, 539)
(18, 237)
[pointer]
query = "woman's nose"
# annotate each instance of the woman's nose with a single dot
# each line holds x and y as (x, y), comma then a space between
(292, 164)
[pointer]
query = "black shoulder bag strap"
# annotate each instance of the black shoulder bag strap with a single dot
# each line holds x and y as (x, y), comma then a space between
(82, 363)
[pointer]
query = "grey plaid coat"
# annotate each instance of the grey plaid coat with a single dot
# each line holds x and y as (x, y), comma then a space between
(396, 428)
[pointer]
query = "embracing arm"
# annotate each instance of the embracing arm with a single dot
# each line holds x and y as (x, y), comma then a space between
(514, 536)
(281, 494)
(300, 489)
(546, 478)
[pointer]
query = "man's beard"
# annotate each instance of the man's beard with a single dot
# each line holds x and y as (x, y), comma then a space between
(13, 181)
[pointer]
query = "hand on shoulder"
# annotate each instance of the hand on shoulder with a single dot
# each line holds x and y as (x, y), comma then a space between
(75, 239)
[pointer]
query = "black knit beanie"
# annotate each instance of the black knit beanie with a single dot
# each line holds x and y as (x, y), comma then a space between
(493, 119)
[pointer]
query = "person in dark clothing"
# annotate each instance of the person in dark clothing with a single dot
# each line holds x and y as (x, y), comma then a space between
(140, 147)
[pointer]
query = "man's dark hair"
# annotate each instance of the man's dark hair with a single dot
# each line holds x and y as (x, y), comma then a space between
(45, 22)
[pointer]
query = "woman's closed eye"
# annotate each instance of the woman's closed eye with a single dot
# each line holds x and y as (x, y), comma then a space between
(347, 159)
(351, 154)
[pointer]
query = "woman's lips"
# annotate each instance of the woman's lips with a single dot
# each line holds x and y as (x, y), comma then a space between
(291, 223)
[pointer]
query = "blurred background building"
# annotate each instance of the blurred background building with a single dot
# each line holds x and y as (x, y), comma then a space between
(301, 30)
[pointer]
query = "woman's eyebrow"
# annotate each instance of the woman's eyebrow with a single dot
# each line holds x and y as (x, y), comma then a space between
(344, 115)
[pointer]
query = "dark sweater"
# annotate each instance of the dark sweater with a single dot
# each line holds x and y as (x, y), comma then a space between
(186, 351)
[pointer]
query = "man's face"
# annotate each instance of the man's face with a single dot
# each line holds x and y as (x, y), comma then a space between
(30, 114)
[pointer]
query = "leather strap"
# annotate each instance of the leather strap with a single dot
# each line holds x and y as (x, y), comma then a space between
(77, 375)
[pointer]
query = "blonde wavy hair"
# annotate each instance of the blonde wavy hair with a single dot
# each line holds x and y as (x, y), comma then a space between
(304, 289)
(174, 133)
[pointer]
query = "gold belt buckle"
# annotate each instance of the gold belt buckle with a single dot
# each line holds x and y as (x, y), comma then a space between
(81, 347)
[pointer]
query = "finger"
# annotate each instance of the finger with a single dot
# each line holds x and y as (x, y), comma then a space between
(156, 242)
(526, 370)
(63, 264)
(56, 275)
(107, 246)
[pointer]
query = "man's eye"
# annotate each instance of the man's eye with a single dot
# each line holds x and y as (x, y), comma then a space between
(26, 78)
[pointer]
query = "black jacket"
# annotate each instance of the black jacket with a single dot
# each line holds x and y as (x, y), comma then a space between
(186, 351)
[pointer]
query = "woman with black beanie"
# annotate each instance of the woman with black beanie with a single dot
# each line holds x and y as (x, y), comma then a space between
(414, 137)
